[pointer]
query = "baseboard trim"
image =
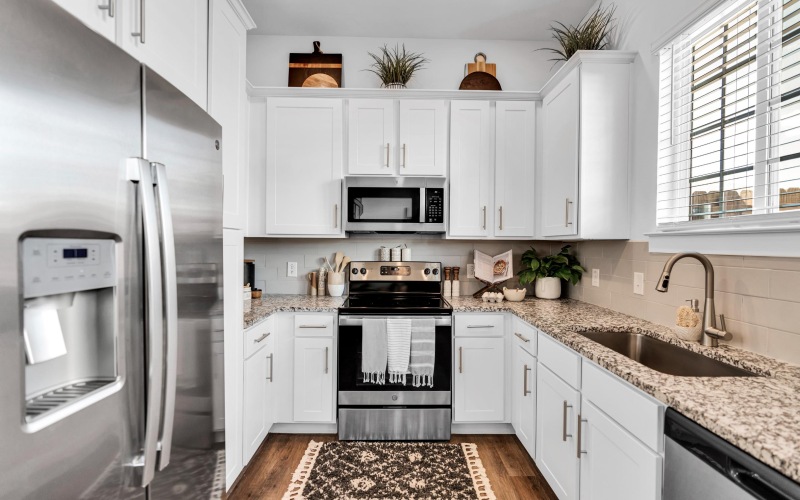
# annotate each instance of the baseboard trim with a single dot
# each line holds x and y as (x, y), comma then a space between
(309, 428)
(499, 428)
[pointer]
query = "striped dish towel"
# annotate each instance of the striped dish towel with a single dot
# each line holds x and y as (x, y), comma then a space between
(423, 351)
(373, 351)
(399, 346)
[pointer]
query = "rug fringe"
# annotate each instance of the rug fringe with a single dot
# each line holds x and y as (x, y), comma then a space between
(479, 478)
(300, 476)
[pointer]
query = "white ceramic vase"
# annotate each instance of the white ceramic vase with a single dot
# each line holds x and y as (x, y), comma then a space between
(548, 288)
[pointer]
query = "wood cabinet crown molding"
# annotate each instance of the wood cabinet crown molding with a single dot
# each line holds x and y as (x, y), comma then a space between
(241, 12)
(587, 56)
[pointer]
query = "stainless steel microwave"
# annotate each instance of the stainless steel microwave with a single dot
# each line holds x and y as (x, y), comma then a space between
(395, 204)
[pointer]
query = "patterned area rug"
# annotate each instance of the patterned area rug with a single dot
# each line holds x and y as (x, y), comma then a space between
(389, 471)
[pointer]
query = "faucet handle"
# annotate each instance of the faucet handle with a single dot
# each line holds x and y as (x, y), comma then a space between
(722, 323)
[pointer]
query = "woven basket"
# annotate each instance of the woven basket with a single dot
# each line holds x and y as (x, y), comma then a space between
(690, 333)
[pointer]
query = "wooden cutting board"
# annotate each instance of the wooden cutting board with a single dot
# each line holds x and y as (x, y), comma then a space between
(480, 80)
(315, 69)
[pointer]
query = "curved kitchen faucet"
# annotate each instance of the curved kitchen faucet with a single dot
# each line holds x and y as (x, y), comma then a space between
(711, 334)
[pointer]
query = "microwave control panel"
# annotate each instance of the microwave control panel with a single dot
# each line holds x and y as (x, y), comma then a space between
(434, 205)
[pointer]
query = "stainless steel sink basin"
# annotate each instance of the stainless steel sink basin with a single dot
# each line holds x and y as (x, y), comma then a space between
(664, 357)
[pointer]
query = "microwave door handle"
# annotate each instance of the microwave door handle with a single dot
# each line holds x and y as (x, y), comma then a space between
(139, 171)
(170, 270)
(422, 206)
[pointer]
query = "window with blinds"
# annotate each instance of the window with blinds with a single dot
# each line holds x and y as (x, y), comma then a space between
(729, 115)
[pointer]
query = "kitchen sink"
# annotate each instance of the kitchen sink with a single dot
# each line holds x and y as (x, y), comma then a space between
(663, 357)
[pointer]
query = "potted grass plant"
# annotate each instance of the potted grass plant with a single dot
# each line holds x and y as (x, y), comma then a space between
(395, 67)
(549, 271)
(592, 33)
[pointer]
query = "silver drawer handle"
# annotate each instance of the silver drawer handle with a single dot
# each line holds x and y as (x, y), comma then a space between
(313, 326)
(387, 155)
(564, 434)
(109, 7)
(140, 33)
(460, 360)
(259, 339)
(271, 363)
(326, 360)
(525, 390)
(580, 423)
(480, 326)
(521, 337)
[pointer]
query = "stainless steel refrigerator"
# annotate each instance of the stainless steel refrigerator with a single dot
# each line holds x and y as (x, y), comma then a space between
(110, 271)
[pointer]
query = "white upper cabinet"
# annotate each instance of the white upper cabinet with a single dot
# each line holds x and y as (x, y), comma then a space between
(584, 173)
(371, 127)
(170, 37)
(304, 167)
(227, 103)
(514, 169)
(99, 15)
(423, 137)
(471, 172)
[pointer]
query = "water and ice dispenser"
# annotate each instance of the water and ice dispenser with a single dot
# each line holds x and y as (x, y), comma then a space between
(70, 321)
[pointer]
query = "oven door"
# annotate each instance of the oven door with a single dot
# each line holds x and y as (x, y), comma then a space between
(353, 391)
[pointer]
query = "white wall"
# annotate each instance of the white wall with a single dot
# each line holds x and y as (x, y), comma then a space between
(520, 66)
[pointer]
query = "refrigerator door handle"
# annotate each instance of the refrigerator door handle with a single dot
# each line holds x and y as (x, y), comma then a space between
(170, 271)
(139, 171)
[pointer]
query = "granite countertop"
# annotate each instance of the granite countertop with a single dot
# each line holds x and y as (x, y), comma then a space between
(757, 414)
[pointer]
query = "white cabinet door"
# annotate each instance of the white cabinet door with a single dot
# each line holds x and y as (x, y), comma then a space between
(560, 150)
(479, 381)
(371, 137)
(313, 379)
(227, 103)
(614, 464)
(556, 418)
(99, 15)
(232, 256)
(514, 169)
(523, 398)
(471, 172)
(304, 166)
(254, 404)
(171, 38)
(423, 137)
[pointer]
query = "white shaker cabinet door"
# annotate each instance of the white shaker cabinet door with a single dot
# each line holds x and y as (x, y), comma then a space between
(523, 398)
(99, 15)
(423, 137)
(313, 379)
(479, 380)
(304, 166)
(514, 169)
(371, 137)
(471, 172)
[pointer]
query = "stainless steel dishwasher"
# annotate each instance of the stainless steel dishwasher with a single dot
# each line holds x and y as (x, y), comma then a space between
(698, 464)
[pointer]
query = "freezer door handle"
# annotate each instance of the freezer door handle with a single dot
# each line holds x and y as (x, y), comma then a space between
(170, 270)
(139, 171)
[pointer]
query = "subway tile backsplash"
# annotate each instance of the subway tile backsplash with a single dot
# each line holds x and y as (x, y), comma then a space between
(759, 296)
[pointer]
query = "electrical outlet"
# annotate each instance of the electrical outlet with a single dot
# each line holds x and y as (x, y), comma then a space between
(638, 283)
(470, 271)
(595, 277)
(291, 269)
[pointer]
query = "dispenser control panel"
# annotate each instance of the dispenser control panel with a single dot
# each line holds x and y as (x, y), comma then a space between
(60, 265)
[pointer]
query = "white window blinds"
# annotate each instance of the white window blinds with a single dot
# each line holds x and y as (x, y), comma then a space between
(729, 115)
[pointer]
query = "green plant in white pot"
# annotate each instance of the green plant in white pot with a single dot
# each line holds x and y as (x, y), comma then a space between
(549, 271)
(395, 67)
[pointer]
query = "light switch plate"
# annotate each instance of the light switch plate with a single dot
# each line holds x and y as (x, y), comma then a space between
(638, 283)
(291, 269)
(595, 277)
(470, 271)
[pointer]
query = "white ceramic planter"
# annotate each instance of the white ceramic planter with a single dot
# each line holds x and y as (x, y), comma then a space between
(548, 288)
(335, 290)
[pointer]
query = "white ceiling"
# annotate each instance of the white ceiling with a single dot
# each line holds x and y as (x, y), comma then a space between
(456, 19)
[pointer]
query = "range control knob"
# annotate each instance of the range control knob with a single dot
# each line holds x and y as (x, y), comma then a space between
(435, 272)
(354, 271)
(427, 271)
(363, 270)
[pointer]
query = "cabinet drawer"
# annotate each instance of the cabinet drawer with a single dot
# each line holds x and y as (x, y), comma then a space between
(255, 337)
(637, 412)
(479, 325)
(524, 335)
(563, 361)
(313, 325)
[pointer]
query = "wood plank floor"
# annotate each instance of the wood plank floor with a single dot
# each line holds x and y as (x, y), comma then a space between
(512, 473)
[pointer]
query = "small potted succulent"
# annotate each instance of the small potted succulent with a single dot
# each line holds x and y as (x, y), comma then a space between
(549, 271)
(395, 67)
(593, 33)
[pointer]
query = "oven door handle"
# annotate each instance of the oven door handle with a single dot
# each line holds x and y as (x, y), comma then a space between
(359, 320)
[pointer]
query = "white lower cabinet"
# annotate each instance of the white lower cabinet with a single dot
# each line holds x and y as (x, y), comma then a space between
(313, 379)
(523, 397)
(556, 417)
(259, 351)
(614, 464)
(479, 379)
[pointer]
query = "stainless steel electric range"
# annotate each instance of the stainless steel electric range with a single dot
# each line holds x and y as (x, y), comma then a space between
(394, 411)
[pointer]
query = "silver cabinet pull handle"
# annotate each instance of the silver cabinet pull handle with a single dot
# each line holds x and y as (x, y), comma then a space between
(567, 223)
(259, 339)
(405, 152)
(140, 33)
(580, 422)
(525, 390)
(501, 218)
(460, 360)
(110, 7)
(313, 326)
(271, 363)
(484, 216)
(326, 360)
(564, 434)
(480, 326)
(387, 155)
(522, 337)
(336, 215)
